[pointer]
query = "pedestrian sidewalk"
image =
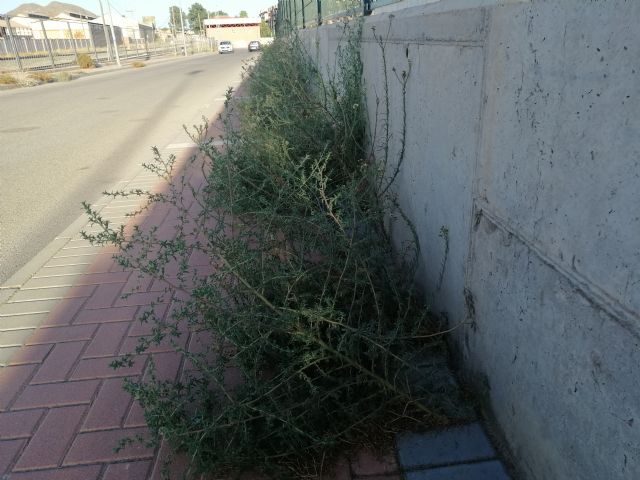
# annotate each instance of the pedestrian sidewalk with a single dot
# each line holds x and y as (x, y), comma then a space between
(63, 320)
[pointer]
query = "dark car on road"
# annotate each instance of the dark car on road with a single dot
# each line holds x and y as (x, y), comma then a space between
(254, 46)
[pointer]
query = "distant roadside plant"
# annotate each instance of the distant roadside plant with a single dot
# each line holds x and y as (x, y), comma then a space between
(85, 61)
(42, 77)
(8, 79)
(62, 77)
(265, 30)
(25, 79)
(304, 332)
(31, 79)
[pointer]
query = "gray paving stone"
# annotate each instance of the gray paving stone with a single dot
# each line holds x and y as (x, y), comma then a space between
(19, 322)
(6, 294)
(78, 242)
(443, 447)
(6, 354)
(51, 293)
(48, 282)
(79, 250)
(14, 338)
(72, 260)
(114, 223)
(491, 470)
(21, 308)
(119, 211)
(26, 272)
(57, 271)
(123, 204)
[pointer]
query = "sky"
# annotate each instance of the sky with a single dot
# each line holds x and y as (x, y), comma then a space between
(136, 9)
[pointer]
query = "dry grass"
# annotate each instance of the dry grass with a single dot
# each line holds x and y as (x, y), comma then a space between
(8, 79)
(62, 77)
(32, 79)
(85, 61)
(138, 64)
(42, 77)
(25, 79)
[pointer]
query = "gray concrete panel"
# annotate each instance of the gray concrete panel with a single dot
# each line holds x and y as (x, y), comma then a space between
(560, 372)
(443, 103)
(561, 145)
(522, 139)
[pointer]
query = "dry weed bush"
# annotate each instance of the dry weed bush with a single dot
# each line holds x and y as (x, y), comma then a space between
(309, 328)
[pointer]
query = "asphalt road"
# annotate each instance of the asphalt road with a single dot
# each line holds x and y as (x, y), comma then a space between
(64, 143)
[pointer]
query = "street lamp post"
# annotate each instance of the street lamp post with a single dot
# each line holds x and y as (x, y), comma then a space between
(184, 41)
(113, 34)
(174, 32)
(106, 35)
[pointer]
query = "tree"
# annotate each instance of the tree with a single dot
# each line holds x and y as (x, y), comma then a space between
(243, 14)
(174, 18)
(265, 30)
(197, 14)
(220, 13)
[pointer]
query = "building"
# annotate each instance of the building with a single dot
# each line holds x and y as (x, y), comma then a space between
(59, 20)
(164, 34)
(17, 29)
(239, 31)
(56, 29)
(128, 31)
(55, 10)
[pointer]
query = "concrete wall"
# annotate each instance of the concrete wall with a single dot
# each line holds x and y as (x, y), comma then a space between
(523, 140)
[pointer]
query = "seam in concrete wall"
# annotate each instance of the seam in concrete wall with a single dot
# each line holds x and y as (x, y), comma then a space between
(414, 41)
(436, 6)
(593, 294)
(475, 189)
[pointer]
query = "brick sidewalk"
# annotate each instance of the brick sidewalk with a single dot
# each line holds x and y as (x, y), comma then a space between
(63, 409)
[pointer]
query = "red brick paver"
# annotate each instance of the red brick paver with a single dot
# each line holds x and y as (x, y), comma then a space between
(367, 463)
(48, 445)
(19, 424)
(127, 471)
(12, 379)
(62, 407)
(109, 407)
(8, 451)
(90, 472)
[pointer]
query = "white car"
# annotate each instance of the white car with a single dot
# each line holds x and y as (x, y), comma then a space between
(225, 46)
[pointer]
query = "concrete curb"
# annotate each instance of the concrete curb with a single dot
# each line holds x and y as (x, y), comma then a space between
(19, 278)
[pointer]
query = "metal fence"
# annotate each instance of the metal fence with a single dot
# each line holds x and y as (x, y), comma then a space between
(295, 14)
(58, 44)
